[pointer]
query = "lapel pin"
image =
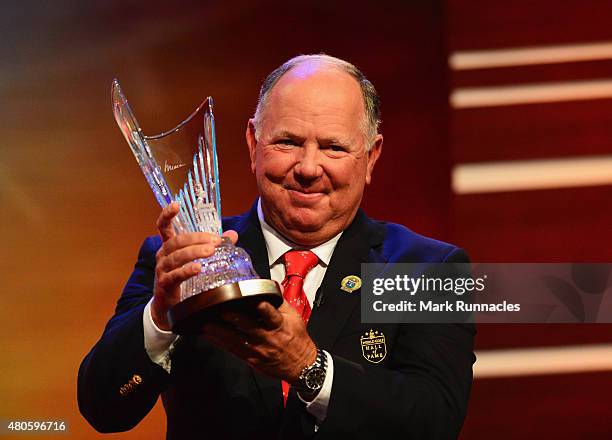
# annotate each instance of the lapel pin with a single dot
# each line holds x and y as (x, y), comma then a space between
(350, 283)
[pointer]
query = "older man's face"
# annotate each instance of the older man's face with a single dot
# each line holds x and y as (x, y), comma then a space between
(310, 160)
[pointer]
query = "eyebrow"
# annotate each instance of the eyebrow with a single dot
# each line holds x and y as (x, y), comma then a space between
(333, 140)
(291, 135)
(284, 134)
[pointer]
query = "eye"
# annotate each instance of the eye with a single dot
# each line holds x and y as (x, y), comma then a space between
(334, 149)
(286, 142)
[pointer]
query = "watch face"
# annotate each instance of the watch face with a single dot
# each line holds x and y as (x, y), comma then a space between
(314, 378)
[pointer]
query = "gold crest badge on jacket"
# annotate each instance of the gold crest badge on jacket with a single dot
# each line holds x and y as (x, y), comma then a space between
(373, 346)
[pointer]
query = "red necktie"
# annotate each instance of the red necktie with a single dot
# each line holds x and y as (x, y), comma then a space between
(297, 265)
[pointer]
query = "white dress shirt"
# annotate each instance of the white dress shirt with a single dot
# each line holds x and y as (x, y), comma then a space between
(159, 343)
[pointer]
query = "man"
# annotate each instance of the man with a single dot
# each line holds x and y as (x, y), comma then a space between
(313, 144)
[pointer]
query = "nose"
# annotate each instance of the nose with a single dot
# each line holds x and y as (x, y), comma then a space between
(308, 166)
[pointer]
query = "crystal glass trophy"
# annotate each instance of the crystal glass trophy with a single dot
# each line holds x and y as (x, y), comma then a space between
(181, 165)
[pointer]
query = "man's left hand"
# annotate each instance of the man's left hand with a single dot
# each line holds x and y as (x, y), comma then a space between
(273, 341)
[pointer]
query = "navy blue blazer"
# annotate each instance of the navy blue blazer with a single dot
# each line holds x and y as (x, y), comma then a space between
(419, 390)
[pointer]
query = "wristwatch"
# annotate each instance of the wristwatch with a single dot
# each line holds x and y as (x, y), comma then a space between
(312, 377)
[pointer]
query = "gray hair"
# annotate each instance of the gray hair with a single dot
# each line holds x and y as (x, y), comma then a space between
(370, 96)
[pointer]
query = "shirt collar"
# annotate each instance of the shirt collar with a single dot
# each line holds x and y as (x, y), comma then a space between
(277, 245)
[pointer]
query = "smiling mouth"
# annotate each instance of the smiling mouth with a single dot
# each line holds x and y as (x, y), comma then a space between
(305, 192)
(303, 196)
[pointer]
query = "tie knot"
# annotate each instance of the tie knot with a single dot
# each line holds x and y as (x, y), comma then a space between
(299, 262)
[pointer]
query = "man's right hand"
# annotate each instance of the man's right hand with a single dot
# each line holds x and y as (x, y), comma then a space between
(175, 262)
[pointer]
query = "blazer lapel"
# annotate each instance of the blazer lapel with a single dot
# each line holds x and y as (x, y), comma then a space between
(358, 244)
(250, 238)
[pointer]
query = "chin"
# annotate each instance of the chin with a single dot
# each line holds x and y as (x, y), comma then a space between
(301, 221)
(300, 230)
(306, 227)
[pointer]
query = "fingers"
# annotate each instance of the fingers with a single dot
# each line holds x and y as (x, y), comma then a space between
(286, 309)
(164, 221)
(181, 241)
(168, 281)
(174, 257)
(241, 321)
(254, 325)
(264, 318)
(232, 235)
(274, 342)
(185, 255)
(269, 317)
(229, 339)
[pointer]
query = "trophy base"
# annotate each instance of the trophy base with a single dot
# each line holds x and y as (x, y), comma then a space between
(188, 316)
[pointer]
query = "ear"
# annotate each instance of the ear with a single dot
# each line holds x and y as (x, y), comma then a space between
(251, 142)
(373, 156)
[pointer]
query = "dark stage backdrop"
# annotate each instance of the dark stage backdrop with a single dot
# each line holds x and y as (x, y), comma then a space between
(76, 207)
